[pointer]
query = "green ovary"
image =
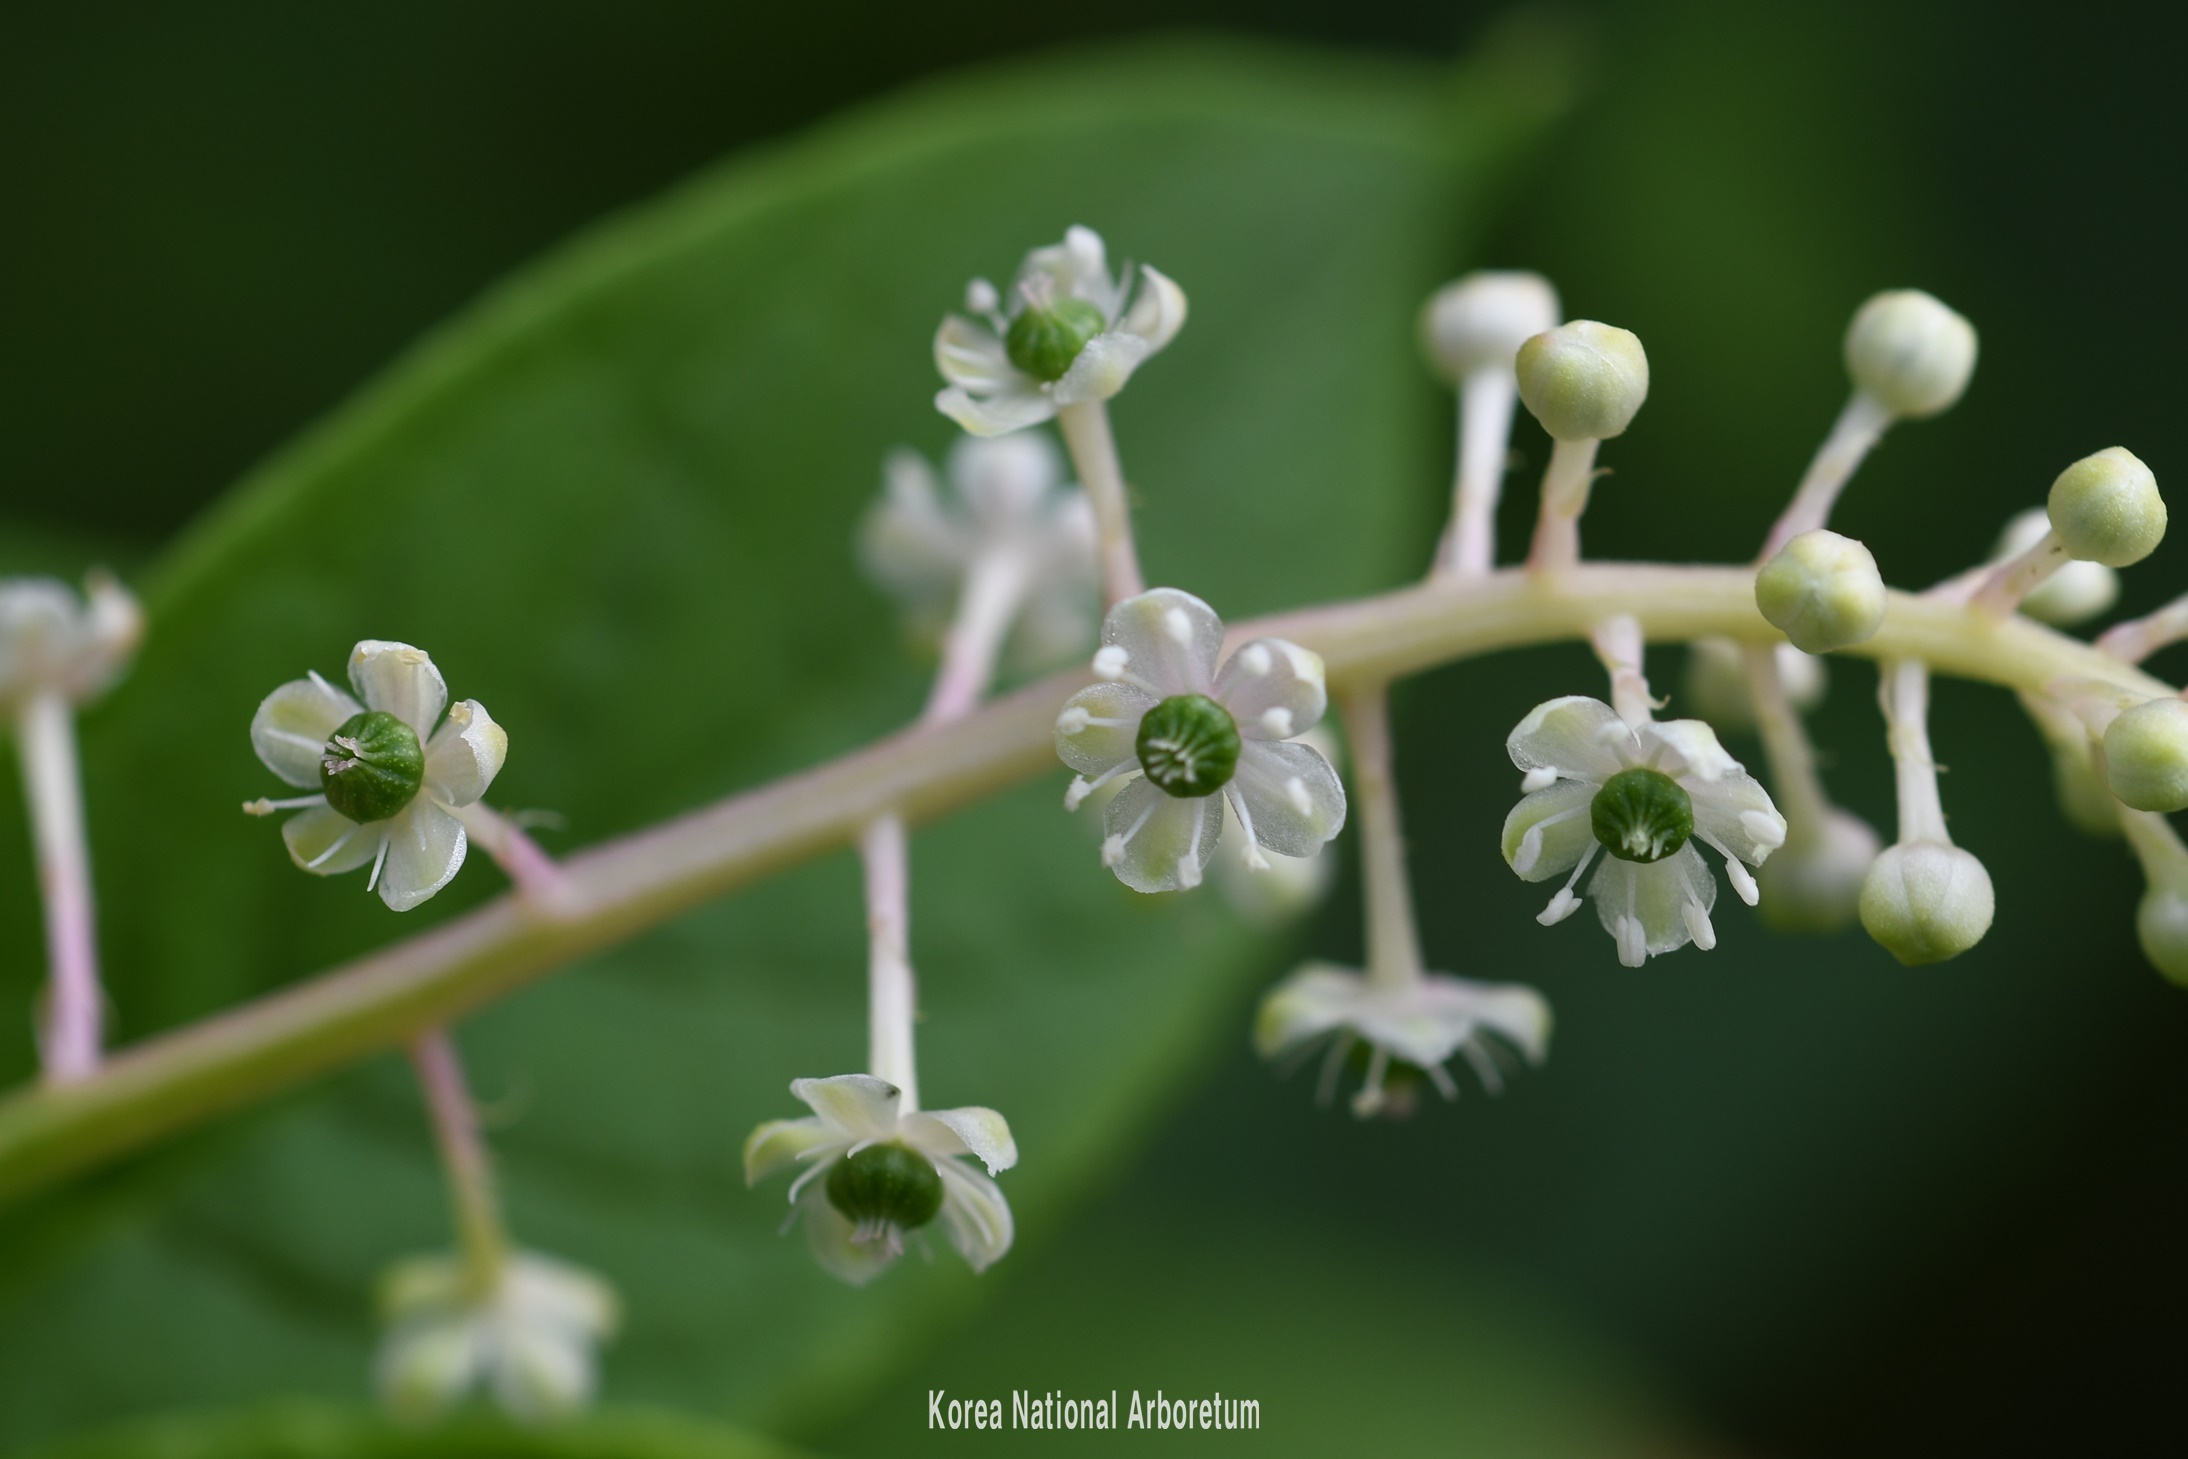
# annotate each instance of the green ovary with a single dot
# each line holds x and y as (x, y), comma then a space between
(372, 766)
(1642, 815)
(1188, 745)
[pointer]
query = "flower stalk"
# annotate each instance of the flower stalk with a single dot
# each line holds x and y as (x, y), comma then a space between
(1093, 448)
(1393, 941)
(479, 1228)
(71, 1032)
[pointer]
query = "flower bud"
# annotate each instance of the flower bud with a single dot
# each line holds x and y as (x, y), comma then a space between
(1584, 381)
(1910, 353)
(1924, 901)
(2106, 508)
(1480, 321)
(2076, 593)
(1823, 591)
(1813, 883)
(2146, 756)
(2161, 926)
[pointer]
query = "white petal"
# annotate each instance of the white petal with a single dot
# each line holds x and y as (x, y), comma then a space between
(399, 680)
(977, 1215)
(1737, 813)
(1310, 1003)
(424, 1366)
(1170, 640)
(972, 1130)
(1167, 840)
(1549, 831)
(828, 1235)
(541, 1374)
(1159, 312)
(325, 836)
(1426, 1023)
(1101, 369)
(291, 728)
(972, 357)
(1579, 737)
(1514, 1012)
(1273, 688)
(907, 543)
(860, 1105)
(425, 849)
(780, 1144)
(544, 1291)
(1295, 798)
(1011, 409)
(1687, 750)
(1656, 893)
(465, 754)
(1090, 747)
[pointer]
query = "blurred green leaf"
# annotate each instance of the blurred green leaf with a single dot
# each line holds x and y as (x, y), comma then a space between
(616, 503)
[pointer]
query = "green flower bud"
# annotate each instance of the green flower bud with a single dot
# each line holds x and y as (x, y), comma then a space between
(886, 1185)
(1641, 815)
(2161, 926)
(2146, 756)
(1910, 353)
(1480, 321)
(1813, 882)
(1924, 901)
(1045, 338)
(372, 766)
(1188, 745)
(1822, 591)
(2106, 508)
(1584, 381)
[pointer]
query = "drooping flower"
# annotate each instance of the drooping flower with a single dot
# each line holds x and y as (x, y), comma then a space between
(874, 1172)
(1410, 1029)
(527, 1335)
(390, 785)
(1008, 528)
(1645, 793)
(1181, 731)
(1067, 332)
(52, 642)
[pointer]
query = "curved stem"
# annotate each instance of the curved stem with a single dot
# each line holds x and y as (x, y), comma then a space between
(994, 588)
(1799, 790)
(1093, 450)
(2010, 581)
(1393, 940)
(479, 1228)
(45, 739)
(1853, 435)
(1487, 399)
(1618, 648)
(627, 886)
(2138, 638)
(1564, 497)
(1905, 695)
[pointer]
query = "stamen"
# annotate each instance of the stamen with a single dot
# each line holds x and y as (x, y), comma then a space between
(1564, 904)
(1484, 1064)
(265, 807)
(1530, 845)
(1768, 831)
(1113, 847)
(1295, 790)
(1255, 861)
(1189, 863)
(1439, 1076)
(1178, 626)
(1370, 1097)
(1633, 947)
(1325, 1087)
(1255, 659)
(344, 840)
(1542, 777)
(1698, 928)
(377, 862)
(1080, 788)
(1278, 722)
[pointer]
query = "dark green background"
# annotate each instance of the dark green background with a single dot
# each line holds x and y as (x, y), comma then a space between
(1807, 1200)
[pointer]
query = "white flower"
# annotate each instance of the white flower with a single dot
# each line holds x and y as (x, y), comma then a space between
(528, 1338)
(1067, 333)
(1007, 514)
(1180, 731)
(52, 641)
(871, 1174)
(1419, 1024)
(401, 781)
(1570, 748)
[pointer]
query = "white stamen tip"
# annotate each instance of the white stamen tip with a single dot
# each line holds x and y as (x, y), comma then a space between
(1112, 852)
(1563, 905)
(259, 807)
(1530, 852)
(1633, 946)
(1540, 778)
(981, 298)
(1075, 794)
(1698, 928)
(1255, 660)
(1188, 873)
(1295, 790)
(1278, 722)
(1072, 721)
(1255, 861)
(1743, 881)
(1768, 830)
(1178, 626)
(1110, 660)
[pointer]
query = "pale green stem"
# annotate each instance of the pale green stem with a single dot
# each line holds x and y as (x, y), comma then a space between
(1564, 497)
(479, 1229)
(539, 880)
(1799, 790)
(1487, 399)
(892, 989)
(2138, 638)
(2005, 585)
(630, 885)
(1393, 941)
(1618, 648)
(1853, 435)
(45, 741)
(1904, 692)
(2158, 847)
(995, 586)
(1094, 456)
